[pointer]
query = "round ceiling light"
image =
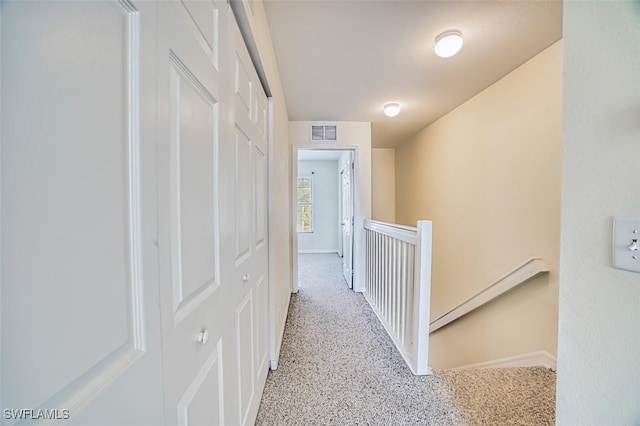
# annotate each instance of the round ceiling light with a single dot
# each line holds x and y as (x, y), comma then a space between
(448, 43)
(391, 109)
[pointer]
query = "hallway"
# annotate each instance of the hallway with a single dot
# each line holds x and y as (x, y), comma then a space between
(339, 367)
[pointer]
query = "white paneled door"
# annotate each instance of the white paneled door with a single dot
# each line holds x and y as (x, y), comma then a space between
(247, 249)
(346, 174)
(190, 103)
(80, 319)
(134, 214)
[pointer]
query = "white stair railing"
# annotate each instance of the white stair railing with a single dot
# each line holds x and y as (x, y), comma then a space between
(398, 286)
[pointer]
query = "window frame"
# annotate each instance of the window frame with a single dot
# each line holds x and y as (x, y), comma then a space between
(305, 203)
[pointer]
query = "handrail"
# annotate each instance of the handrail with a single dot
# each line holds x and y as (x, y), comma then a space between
(522, 273)
(400, 232)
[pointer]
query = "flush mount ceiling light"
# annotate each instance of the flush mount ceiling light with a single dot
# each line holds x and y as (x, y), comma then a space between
(448, 43)
(391, 109)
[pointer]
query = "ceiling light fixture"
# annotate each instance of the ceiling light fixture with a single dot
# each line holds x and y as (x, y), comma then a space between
(391, 109)
(448, 43)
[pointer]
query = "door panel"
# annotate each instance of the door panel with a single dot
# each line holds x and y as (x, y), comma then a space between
(207, 21)
(79, 267)
(203, 401)
(347, 221)
(193, 118)
(261, 194)
(242, 193)
(190, 92)
(261, 326)
(242, 88)
(261, 113)
(245, 326)
(250, 192)
(134, 213)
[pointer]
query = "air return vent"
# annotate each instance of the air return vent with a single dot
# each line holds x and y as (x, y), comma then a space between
(324, 133)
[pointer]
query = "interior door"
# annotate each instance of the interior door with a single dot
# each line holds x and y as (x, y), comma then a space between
(347, 221)
(245, 178)
(194, 292)
(80, 320)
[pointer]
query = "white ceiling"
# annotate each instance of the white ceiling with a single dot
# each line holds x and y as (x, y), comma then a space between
(341, 60)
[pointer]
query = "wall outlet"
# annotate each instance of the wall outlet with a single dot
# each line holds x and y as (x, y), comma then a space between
(626, 244)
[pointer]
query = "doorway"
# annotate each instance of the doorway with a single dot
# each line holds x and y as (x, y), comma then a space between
(324, 206)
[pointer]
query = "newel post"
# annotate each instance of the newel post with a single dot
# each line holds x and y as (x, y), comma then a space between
(422, 300)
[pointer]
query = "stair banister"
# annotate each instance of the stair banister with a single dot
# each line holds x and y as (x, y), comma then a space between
(398, 286)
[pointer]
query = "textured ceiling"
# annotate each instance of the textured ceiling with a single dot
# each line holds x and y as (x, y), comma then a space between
(341, 60)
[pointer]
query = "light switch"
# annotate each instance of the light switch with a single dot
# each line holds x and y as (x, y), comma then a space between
(626, 247)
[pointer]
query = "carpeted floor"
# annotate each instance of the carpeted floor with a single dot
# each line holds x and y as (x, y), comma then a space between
(504, 396)
(338, 366)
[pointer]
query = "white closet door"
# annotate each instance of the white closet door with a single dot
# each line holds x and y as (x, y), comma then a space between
(80, 320)
(194, 293)
(134, 213)
(246, 240)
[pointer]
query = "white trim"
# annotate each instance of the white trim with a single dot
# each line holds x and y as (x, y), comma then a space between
(522, 273)
(273, 362)
(318, 251)
(422, 297)
(274, 342)
(408, 234)
(531, 359)
(294, 219)
(358, 240)
(1, 197)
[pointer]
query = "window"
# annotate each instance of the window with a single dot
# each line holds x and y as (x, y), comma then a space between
(305, 204)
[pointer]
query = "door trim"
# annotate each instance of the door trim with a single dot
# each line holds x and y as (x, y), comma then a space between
(358, 214)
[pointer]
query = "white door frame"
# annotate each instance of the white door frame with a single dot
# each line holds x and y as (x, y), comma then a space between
(340, 213)
(358, 264)
(348, 222)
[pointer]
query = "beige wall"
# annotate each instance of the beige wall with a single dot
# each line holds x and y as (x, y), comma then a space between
(383, 185)
(488, 175)
(598, 336)
(280, 225)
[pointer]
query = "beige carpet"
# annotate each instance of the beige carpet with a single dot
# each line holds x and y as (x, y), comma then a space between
(504, 396)
(338, 366)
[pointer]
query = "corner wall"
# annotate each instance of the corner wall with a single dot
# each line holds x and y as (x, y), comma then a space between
(599, 337)
(383, 184)
(488, 175)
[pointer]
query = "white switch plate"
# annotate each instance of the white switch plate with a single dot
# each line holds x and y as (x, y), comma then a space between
(625, 230)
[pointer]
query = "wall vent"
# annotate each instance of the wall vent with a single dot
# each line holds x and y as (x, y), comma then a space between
(324, 133)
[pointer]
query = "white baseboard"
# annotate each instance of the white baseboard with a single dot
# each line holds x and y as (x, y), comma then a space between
(273, 363)
(317, 251)
(531, 359)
